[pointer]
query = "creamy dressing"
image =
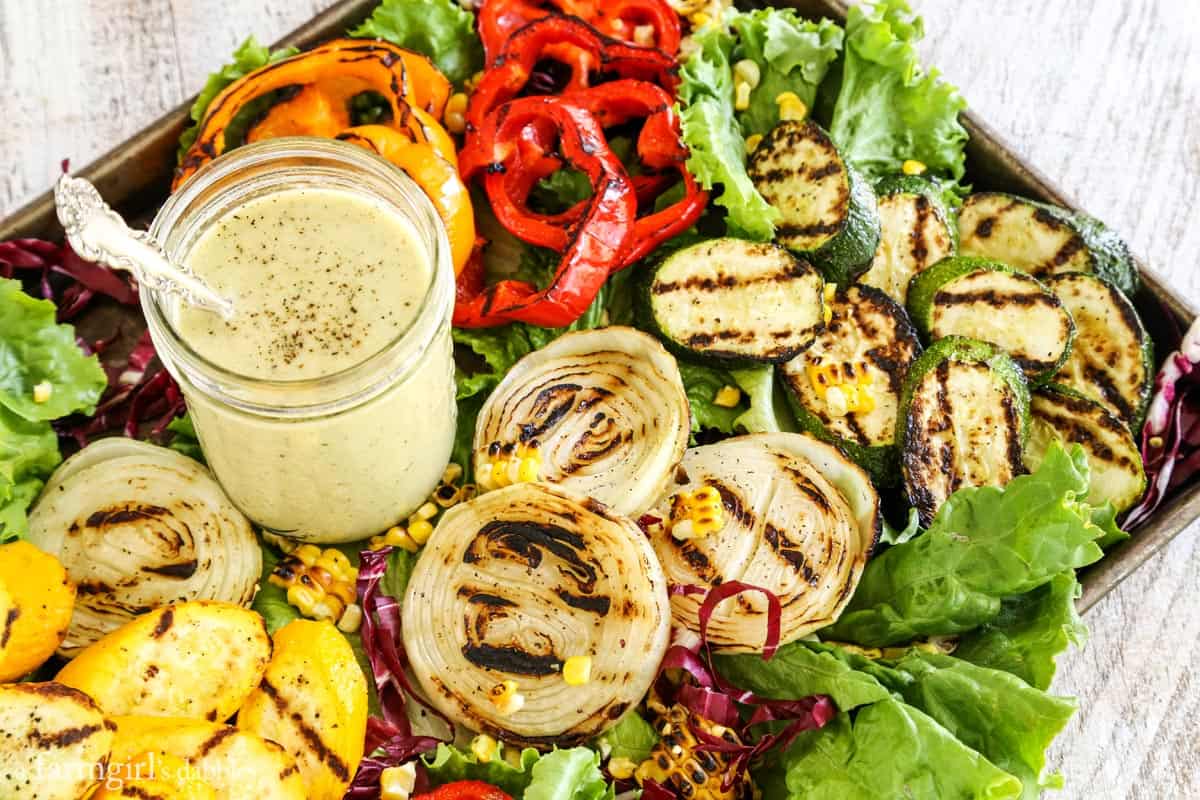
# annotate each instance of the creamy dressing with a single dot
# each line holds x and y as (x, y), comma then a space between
(322, 279)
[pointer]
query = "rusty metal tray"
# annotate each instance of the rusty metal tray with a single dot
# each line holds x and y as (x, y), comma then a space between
(135, 176)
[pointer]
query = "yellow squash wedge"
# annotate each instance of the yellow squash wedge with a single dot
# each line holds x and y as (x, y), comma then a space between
(199, 659)
(237, 765)
(313, 701)
(36, 601)
(54, 742)
(155, 774)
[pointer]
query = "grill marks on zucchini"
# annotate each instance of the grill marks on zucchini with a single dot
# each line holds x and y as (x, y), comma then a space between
(870, 344)
(731, 299)
(962, 422)
(1060, 414)
(985, 300)
(916, 232)
(1112, 360)
(1043, 240)
(827, 211)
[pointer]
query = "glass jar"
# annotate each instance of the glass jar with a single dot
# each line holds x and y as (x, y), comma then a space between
(342, 456)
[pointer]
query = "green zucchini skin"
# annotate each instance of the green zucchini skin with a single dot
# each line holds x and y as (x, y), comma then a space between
(1062, 414)
(1044, 240)
(917, 230)
(1009, 307)
(865, 326)
(1113, 358)
(946, 387)
(730, 302)
(829, 213)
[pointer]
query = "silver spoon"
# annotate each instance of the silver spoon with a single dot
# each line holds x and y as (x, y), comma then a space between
(97, 233)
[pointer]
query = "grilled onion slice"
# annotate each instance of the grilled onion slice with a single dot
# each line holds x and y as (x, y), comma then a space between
(604, 412)
(139, 526)
(797, 519)
(514, 583)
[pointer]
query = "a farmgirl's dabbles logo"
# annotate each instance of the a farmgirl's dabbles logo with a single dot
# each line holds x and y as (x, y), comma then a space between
(151, 767)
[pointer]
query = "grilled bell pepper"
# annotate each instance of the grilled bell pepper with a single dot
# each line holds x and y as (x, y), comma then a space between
(595, 244)
(465, 790)
(650, 23)
(339, 70)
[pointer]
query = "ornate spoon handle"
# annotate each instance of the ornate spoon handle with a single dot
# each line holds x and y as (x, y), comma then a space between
(97, 232)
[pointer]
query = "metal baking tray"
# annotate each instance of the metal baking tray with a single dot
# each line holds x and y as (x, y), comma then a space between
(135, 176)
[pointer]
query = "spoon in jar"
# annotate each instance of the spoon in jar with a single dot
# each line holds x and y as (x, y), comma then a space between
(97, 232)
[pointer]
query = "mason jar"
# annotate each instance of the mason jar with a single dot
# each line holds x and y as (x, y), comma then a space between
(335, 457)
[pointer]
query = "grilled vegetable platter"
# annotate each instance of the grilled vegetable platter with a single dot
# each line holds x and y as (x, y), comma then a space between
(778, 446)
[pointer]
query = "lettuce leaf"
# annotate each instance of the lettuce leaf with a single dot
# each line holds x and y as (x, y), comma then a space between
(801, 669)
(249, 56)
(985, 545)
(632, 738)
(888, 749)
(439, 29)
(271, 601)
(887, 109)
(572, 774)
(768, 411)
(718, 150)
(34, 349)
(28, 454)
(184, 439)
(702, 383)
(792, 54)
(1030, 632)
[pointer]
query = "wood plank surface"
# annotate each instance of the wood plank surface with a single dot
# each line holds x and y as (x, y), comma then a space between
(1102, 95)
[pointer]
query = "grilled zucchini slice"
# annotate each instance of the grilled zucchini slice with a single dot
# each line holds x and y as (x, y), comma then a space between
(845, 389)
(1059, 414)
(734, 301)
(917, 230)
(1112, 361)
(828, 211)
(1043, 240)
(964, 416)
(987, 300)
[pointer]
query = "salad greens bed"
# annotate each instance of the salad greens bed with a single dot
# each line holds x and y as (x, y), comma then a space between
(994, 573)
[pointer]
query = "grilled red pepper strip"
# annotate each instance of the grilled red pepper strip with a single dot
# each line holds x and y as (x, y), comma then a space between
(597, 242)
(659, 147)
(620, 19)
(513, 69)
(464, 790)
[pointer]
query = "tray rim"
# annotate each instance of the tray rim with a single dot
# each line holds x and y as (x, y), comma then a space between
(134, 170)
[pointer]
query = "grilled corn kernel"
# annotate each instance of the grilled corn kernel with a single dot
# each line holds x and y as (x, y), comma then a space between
(427, 511)
(351, 619)
(791, 107)
(506, 698)
(319, 583)
(452, 474)
(727, 397)
(752, 142)
(485, 748)
(420, 531)
(473, 81)
(845, 387)
(577, 670)
(397, 783)
(621, 768)
(678, 764)
(912, 167)
(469, 492)
(747, 71)
(644, 35)
(394, 537)
(699, 19)
(523, 465)
(830, 295)
(42, 392)
(741, 96)
(455, 116)
(696, 514)
(447, 495)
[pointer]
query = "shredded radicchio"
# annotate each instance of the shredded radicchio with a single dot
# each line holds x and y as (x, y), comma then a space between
(1171, 436)
(65, 279)
(709, 696)
(390, 741)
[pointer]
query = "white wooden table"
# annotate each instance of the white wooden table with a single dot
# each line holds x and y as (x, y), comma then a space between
(1103, 95)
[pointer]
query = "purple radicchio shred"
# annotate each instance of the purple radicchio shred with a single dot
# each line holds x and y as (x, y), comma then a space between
(62, 277)
(1170, 440)
(390, 741)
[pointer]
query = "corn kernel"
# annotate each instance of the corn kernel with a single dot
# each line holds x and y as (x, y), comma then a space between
(447, 495)
(1156, 441)
(752, 142)
(473, 81)
(911, 167)
(455, 115)
(506, 698)
(469, 492)
(748, 72)
(699, 19)
(836, 402)
(644, 35)
(830, 292)
(741, 96)
(420, 531)
(307, 553)
(485, 748)
(791, 107)
(696, 514)
(727, 397)
(397, 783)
(577, 670)
(42, 391)
(528, 470)
(452, 473)
(351, 619)
(621, 768)
(394, 537)
(427, 511)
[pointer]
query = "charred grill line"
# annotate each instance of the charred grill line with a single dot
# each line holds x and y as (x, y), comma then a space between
(511, 659)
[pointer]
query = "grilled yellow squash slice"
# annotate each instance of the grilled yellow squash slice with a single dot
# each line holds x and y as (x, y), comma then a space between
(313, 701)
(36, 601)
(199, 659)
(155, 775)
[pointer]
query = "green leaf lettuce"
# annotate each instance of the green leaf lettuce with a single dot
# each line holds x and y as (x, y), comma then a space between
(441, 30)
